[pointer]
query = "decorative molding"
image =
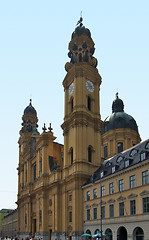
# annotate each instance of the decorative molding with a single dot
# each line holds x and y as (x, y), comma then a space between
(111, 200)
(145, 192)
(121, 198)
(132, 195)
(88, 206)
(95, 205)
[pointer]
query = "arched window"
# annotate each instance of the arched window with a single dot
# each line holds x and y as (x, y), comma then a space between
(109, 235)
(89, 154)
(89, 103)
(138, 233)
(80, 57)
(120, 147)
(71, 155)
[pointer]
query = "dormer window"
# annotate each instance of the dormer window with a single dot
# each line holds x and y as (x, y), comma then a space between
(147, 145)
(143, 156)
(108, 164)
(133, 152)
(113, 169)
(126, 163)
(101, 174)
(119, 159)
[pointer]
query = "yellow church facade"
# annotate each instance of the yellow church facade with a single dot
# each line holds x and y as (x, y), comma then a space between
(52, 178)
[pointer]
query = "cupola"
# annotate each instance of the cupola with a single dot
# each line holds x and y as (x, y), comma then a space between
(30, 119)
(119, 118)
(81, 47)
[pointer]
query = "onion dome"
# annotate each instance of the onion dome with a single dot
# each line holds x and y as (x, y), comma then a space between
(119, 118)
(30, 109)
(81, 47)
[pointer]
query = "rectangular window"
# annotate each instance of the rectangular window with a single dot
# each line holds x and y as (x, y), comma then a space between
(142, 156)
(88, 214)
(103, 212)
(101, 174)
(34, 172)
(88, 195)
(145, 178)
(70, 216)
(95, 213)
(94, 193)
(132, 181)
(111, 188)
(113, 169)
(146, 205)
(40, 217)
(121, 209)
(126, 163)
(111, 210)
(102, 190)
(121, 185)
(40, 165)
(26, 176)
(132, 207)
(105, 151)
(70, 197)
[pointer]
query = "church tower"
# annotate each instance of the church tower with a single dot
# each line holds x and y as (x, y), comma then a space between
(82, 121)
(81, 127)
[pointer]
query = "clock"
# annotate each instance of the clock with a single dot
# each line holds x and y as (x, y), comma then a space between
(89, 86)
(71, 88)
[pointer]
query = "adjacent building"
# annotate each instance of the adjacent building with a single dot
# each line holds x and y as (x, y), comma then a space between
(116, 197)
(3, 213)
(9, 225)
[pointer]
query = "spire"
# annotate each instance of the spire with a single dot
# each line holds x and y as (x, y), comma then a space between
(80, 20)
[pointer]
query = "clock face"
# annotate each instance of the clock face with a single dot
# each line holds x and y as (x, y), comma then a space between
(71, 88)
(89, 86)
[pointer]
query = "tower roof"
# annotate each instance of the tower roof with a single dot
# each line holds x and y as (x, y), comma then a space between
(29, 119)
(30, 109)
(81, 47)
(119, 118)
(80, 29)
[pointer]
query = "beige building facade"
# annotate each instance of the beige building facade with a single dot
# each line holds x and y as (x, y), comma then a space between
(51, 202)
(116, 198)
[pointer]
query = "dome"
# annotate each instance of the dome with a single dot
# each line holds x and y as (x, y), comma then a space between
(30, 109)
(80, 30)
(119, 118)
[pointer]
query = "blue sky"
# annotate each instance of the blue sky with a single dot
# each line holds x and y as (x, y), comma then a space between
(34, 37)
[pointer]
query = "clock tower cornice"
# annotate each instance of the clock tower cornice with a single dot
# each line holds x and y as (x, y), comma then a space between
(83, 70)
(80, 118)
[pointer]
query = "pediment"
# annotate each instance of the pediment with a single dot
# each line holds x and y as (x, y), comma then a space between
(132, 195)
(111, 200)
(87, 206)
(121, 198)
(145, 192)
(95, 205)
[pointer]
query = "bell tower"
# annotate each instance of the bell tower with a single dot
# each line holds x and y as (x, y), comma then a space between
(82, 121)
